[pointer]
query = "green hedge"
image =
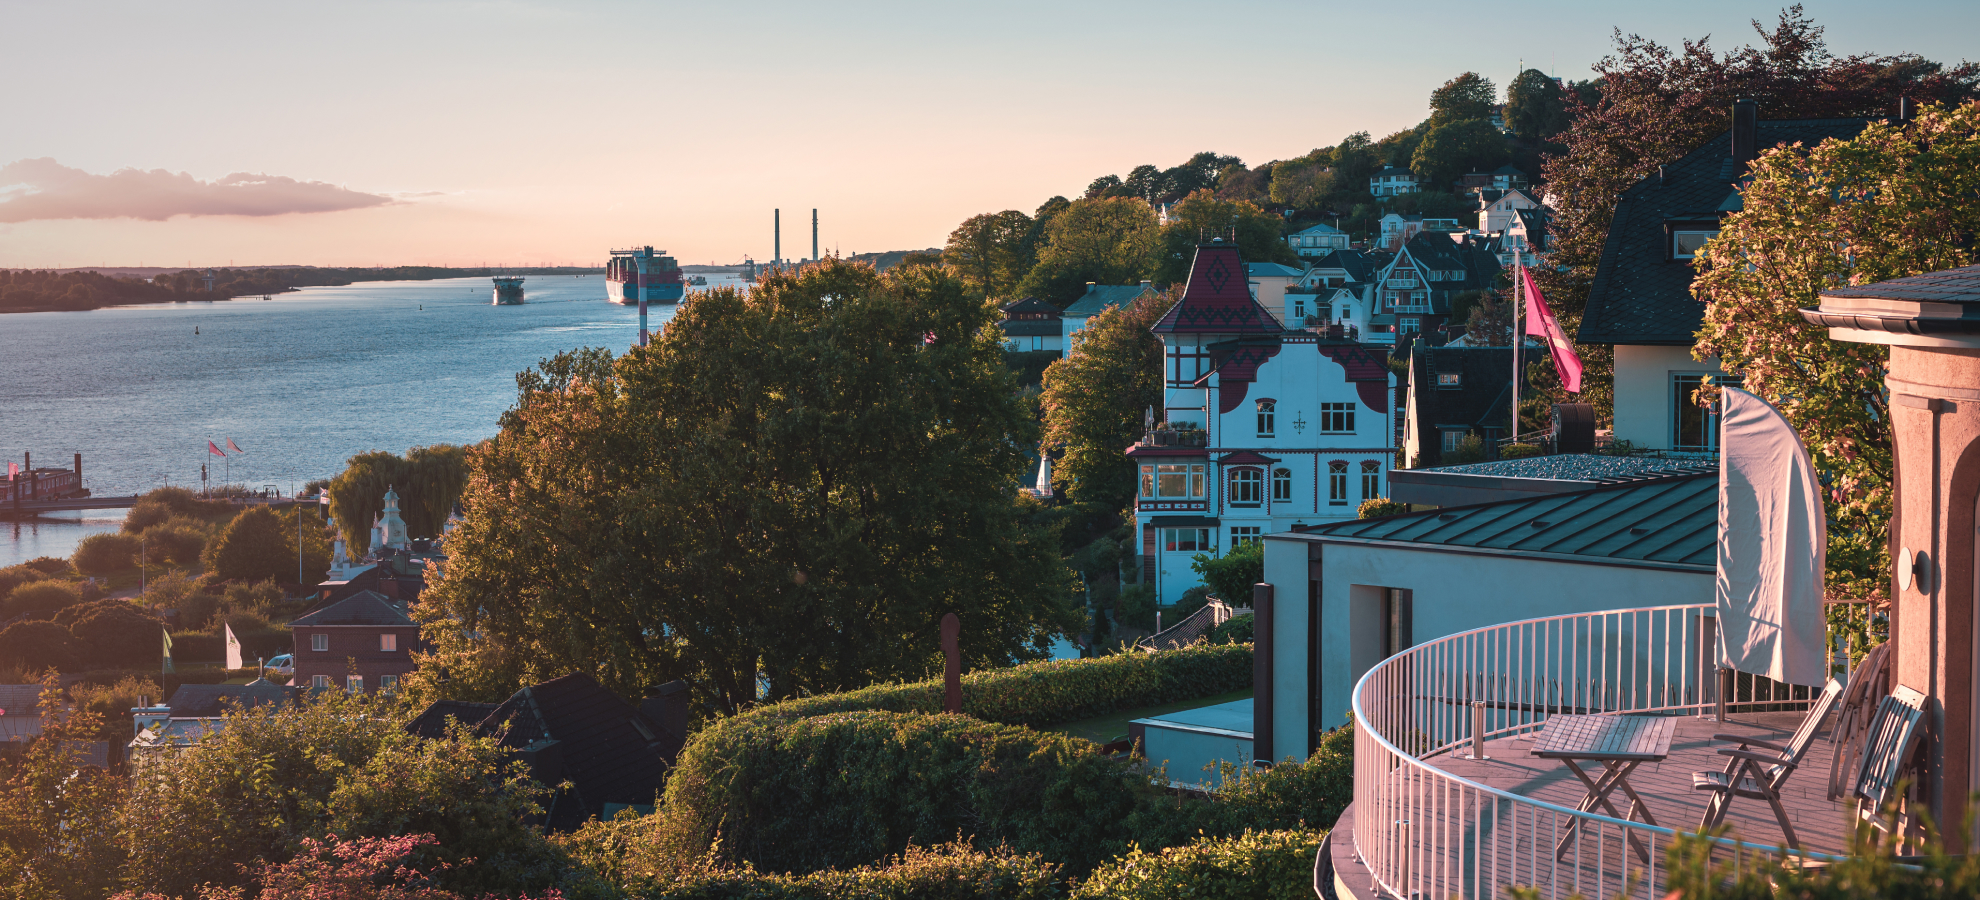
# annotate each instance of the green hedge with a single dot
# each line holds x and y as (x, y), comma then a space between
(1043, 694)
(955, 872)
(1268, 865)
(853, 788)
(1238, 630)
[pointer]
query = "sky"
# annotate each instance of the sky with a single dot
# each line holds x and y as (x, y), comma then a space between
(522, 133)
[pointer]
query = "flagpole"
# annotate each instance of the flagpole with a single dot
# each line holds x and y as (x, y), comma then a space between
(1518, 301)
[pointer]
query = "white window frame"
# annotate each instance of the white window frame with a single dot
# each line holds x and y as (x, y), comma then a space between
(1247, 487)
(1371, 479)
(1337, 483)
(319, 643)
(1281, 485)
(1155, 478)
(354, 683)
(319, 682)
(1246, 534)
(388, 684)
(1267, 417)
(388, 643)
(1678, 241)
(1172, 540)
(1337, 418)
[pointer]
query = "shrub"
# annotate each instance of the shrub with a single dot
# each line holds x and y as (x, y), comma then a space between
(197, 647)
(42, 599)
(173, 543)
(145, 514)
(1469, 449)
(1255, 865)
(50, 566)
(1135, 606)
(115, 634)
(1043, 694)
(1238, 630)
(14, 576)
(103, 554)
(1310, 793)
(1377, 507)
(1231, 576)
(1519, 451)
(253, 547)
(854, 788)
(35, 647)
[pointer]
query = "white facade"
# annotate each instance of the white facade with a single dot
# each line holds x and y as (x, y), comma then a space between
(1317, 241)
(1651, 400)
(1390, 181)
(1499, 214)
(1028, 342)
(1269, 282)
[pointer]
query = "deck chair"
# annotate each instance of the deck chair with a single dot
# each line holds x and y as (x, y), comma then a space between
(1870, 681)
(1887, 746)
(1759, 773)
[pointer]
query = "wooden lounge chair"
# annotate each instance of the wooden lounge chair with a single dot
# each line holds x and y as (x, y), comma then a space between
(1869, 683)
(1759, 774)
(1887, 747)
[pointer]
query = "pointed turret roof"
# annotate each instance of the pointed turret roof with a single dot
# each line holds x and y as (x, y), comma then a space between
(1218, 299)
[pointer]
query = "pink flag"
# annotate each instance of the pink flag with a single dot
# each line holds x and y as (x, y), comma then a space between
(237, 449)
(212, 450)
(1540, 322)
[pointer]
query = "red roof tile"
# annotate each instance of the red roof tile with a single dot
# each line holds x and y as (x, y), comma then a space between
(1218, 299)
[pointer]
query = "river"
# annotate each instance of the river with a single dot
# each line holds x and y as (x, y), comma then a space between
(300, 382)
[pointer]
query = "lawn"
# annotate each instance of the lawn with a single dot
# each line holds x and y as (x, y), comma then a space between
(1108, 728)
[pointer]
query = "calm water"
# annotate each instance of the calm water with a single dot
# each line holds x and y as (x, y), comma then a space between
(301, 382)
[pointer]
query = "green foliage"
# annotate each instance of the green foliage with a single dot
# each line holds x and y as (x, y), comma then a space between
(796, 483)
(1201, 217)
(1254, 865)
(1231, 575)
(1236, 630)
(105, 554)
(112, 703)
(1466, 97)
(1097, 398)
(1519, 451)
(36, 646)
(42, 599)
(49, 566)
(1377, 507)
(340, 765)
(1135, 607)
(1470, 449)
(14, 576)
(854, 788)
(955, 871)
(1454, 148)
(58, 823)
(253, 547)
(1109, 240)
(113, 634)
(1051, 692)
(1309, 793)
(992, 252)
(428, 480)
(1536, 107)
(178, 542)
(1029, 365)
(1699, 871)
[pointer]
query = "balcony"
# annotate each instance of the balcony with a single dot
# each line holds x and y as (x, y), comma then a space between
(1430, 821)
(1168, 436)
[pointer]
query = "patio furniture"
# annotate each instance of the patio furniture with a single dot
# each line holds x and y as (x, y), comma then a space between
(1870, 681)
(1892, 735)
(1759, 775)
(1619, 743)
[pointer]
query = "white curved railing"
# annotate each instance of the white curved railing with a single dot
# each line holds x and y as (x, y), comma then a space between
(1427, 833)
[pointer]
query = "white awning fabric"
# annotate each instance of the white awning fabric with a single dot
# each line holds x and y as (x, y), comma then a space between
(1773, 546)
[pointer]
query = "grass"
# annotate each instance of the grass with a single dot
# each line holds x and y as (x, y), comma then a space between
(1108, 728)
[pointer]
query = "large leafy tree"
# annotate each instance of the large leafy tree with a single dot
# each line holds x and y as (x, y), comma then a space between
(428, 481)
(58, 821)
(1202, 216)
(1468, 96)
(1654, 103)
(1451, 149)
(255, 546)
(1109, 240)
(1536, 106)
(992, 252)
(1097, 397)
(783, 494)
(1894, 201)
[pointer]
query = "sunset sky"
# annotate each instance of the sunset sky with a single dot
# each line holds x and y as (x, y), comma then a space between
(523, 132)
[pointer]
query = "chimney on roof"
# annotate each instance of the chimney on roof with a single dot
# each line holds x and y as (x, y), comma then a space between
(1745, 134)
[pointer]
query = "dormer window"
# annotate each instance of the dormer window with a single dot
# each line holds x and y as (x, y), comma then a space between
(1450, 379)
(1686, 244)
(1266, 414)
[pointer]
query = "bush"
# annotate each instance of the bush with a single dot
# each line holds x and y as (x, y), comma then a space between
(113, 702)
(115, 634)
(1255, 865)
(1042, 694)
(36, 647)
(1377, 507)
(1238, 630)
(1470, 449)
(145, 514)
(1293, 794)
(854, 788)
(42, 599)
(196, 647)
(173, 543)
(253, 547)
(1135, 606)
(1231, 576)
(14, 576)
(49, 566)
(103, 554)
(1519, 451)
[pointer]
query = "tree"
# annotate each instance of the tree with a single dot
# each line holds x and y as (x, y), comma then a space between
(1095, 399)
(1468, 96)
(1201, 217)
(428, 480)
(1108, 241)
(1488, 321)
(58, 821)
(1892, 202)
(1303, 183)
(1231, 575)
(113, 634)
(42, 599)
(788, 489)
(1654, 104)
(36, 646)
(103, 554)
(1452, 149)
(255, 546)
(1536, 107)
(991, 251)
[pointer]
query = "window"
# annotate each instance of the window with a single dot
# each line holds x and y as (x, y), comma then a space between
(355, 684)
(1241, 535)
(388, 643)
(1247, 487)
(1685, 244)
(1281, 485)
(1695, 427)
(1037, 342)
(388, 683)
(1451, 438)
(1337, 483)
(1173, 481)
(1409, 325)
(1371, 479)
(1336, 418)
(1299, 310)
(1189, 540)
(1265, 410)
(320, 682)
(1450, 379)
(319, 643)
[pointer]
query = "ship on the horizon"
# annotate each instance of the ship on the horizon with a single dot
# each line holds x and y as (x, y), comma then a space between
(664, 282)
(508, 290)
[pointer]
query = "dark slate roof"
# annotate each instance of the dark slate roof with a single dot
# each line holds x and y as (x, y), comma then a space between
(1482, 397)
(1031, 327)
(1588, 467)
(20, 710)
(1101, 297)
(601, 746)
(1639, 295)
(206, 701)
(432, 722)
(1029, 305)
(1217, 300)
(362, 608)
(1358, 265)
(1673, 521)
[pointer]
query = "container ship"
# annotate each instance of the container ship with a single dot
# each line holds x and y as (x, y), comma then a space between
(508, 290)
(664, 283)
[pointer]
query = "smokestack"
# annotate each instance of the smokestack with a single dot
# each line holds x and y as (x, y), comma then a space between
(776, 236)
(79, 470)
(814, 234)
(1745, 134)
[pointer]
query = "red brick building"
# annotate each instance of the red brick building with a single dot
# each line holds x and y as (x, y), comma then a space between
(363, 642)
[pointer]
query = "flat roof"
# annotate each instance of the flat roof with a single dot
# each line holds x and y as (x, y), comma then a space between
(1508, 479)
(1224, 718)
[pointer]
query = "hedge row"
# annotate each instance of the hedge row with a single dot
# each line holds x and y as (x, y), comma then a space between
(951, 872)
(1267, 865)
(1043, 694)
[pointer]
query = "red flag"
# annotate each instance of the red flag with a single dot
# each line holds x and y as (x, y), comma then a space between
(212, 450)
(237, 449)
(1540, 322)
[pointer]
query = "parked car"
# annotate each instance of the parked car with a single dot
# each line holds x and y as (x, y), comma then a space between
(284, 665)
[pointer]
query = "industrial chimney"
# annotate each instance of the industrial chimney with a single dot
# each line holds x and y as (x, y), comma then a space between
(814, 234)
(776, 237)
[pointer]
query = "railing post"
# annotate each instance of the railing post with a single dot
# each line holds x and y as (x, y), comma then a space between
(1725, 688)
(1478, 730)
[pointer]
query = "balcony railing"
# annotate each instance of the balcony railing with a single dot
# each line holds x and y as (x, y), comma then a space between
(1424, 832)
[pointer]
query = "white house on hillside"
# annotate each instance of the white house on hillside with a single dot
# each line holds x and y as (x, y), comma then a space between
(1498, 214)
(1317, 241)
(1390, 181)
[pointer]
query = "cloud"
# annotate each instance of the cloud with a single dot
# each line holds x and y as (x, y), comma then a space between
(45, 189)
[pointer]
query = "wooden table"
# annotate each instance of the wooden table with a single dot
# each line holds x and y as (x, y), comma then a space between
(1619, 743)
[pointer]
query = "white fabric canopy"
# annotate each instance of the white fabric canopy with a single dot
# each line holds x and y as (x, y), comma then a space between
(1773, 546)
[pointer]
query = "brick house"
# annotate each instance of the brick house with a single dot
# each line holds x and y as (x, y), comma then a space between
(363, 642)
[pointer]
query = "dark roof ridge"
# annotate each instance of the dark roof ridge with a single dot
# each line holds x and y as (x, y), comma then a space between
(1443, 510)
